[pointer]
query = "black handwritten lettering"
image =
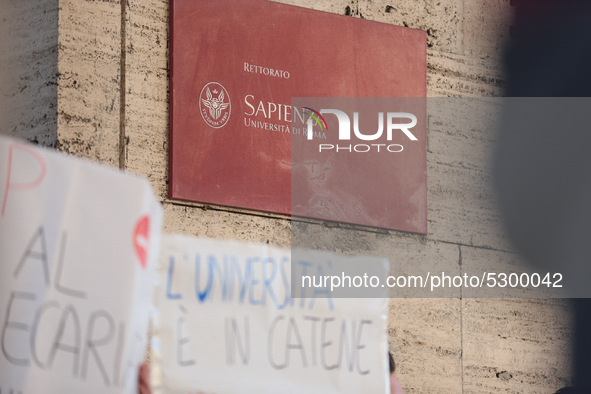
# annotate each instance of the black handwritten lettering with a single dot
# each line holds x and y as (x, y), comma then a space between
(30, 253)
(35, 327)
(181, 342)
(59, 345)
(324, 344)
(58, 274)
(234, 341)
(347, 345)
(360, 346)
(313, 321)
(293, 328)
(67, 338)
(270, 344)
(92, 343)
(20, 326)
(118, 354)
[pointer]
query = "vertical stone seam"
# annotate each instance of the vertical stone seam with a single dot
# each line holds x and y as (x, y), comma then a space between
(122, 92)
(463, 20)
(461, 322)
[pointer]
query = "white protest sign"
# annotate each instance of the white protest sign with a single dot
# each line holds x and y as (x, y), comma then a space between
(226, 323)
(78, 249)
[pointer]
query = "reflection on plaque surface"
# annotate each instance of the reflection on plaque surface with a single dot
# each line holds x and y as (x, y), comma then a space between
(237, 65)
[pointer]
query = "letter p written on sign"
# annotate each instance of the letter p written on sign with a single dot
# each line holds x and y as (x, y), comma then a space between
(141, 239)
(28, 181)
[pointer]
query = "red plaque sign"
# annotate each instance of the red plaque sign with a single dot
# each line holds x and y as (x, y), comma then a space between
(235, 67)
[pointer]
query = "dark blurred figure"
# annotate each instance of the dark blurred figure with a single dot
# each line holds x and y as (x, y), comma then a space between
(565, 390)
(543, 164)
(395, 386)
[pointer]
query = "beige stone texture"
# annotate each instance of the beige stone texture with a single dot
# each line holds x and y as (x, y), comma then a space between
(146, 99)
(452, 75)
(426, 342)
(222, 224)
(441, 19)
(89, 79)
(442, 345)
(460, 199)
(486, 28)
(28, 70)
(515, 345)
(499, 335)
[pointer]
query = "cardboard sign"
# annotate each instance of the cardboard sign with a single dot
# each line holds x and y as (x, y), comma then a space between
(235, 67)
(227, 324)
(78, 246)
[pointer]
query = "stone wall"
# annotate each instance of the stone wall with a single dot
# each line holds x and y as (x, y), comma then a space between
(111, 105)
(28, 69)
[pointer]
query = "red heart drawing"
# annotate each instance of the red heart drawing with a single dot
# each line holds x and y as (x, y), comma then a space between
(141, 240)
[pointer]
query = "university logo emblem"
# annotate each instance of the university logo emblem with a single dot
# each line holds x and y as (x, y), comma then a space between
(214, 105)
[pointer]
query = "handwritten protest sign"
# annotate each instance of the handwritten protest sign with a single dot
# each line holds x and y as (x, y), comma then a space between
(227, 323)
(78, 248)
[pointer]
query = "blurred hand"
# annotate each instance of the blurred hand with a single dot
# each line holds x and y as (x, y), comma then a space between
(144, 380)
(395, 386)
